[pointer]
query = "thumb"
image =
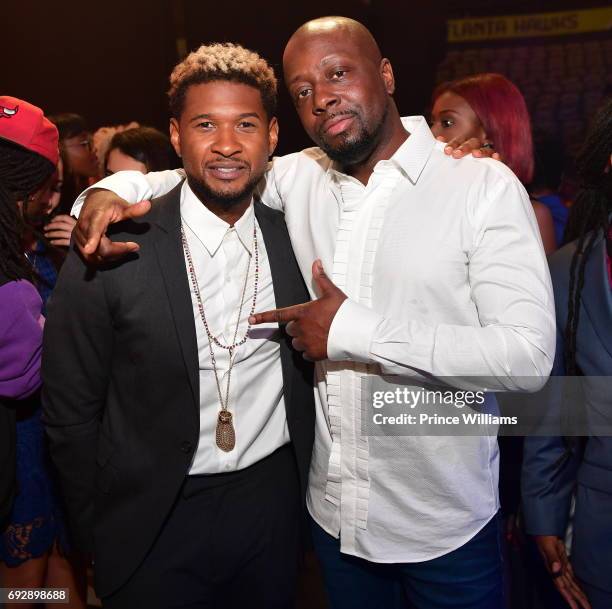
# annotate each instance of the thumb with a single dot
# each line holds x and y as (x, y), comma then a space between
(322, 281)
(553, 559)
(136, 210)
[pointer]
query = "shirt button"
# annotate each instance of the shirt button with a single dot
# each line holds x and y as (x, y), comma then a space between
(185, 446)
(228, 279)
(228, 466)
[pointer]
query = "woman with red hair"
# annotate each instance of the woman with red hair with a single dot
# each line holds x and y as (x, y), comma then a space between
(492, 109)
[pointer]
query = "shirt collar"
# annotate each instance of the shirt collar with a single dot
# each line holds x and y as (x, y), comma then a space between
(208, 227)
(413, 154)
(411, 157)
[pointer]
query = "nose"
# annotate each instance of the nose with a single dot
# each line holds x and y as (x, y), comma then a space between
(324, 98)
(226, 142)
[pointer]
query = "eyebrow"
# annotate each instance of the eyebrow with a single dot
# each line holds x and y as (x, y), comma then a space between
(209, 116)
(448, 112)
(324, 62)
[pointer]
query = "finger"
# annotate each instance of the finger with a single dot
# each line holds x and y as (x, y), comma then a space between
(451, 145)
(466, 148)
(111, 250)
(577, 592)
(568, 598)
(484, 152)
(496, 156)
(60, 242)
(137, 210)
(65, 217)
(298, 345)
(93, 230)
(292, 329)
(324, 284)
(307, 357)
(58, 234)
(50, 228)
(58, 222)
(281, 316)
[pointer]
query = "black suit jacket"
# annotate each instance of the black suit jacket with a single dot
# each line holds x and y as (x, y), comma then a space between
(121, 391)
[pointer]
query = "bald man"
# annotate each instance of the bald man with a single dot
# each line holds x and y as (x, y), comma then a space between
(436, 270)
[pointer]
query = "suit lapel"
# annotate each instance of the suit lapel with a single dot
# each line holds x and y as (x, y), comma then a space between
(171, 260)
(597, 295)
(277, 244)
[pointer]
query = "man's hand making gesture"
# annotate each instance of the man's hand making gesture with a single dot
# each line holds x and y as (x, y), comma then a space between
(308, 324)
(102, 208)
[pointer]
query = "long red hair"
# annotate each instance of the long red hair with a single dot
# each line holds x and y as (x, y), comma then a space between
(501, 108)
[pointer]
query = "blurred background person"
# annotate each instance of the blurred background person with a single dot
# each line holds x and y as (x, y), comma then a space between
(545, 186)
(57, 228)
(102, 138)
(490, 108)
(141, 149)
(33, 533)
(78, 156)
(45, 256)
(556, 468)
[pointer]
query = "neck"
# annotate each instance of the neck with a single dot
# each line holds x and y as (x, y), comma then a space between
(229, 213)
(28, 238)
(392, 136)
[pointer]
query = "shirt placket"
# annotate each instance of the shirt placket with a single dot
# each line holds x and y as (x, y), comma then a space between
(357, 241)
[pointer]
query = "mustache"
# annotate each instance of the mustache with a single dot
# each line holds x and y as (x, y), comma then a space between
(330, 116)
(227, 161)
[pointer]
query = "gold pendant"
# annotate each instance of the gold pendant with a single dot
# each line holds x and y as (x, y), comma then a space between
(225, 436)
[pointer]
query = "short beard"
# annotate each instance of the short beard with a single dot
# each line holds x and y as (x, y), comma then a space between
(350, 153)
(226, 200)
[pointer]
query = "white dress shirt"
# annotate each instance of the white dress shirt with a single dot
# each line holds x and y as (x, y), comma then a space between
(221, 255)
(446, 276)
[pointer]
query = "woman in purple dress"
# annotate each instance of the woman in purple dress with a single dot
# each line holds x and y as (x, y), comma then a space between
(31, 531)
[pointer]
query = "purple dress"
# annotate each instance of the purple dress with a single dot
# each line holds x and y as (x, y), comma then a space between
(34, 523)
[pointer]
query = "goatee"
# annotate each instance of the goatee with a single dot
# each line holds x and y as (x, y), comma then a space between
(351, 152)
(223, 199)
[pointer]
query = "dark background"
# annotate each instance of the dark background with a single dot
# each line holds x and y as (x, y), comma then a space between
(110, 61)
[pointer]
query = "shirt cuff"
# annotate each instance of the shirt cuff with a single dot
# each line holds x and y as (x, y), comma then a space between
(351, 333)
(129, 185)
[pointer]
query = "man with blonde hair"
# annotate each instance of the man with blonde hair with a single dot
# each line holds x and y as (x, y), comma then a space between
(182, 440)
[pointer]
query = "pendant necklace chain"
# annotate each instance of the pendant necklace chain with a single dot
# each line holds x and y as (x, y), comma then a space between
(225, 435)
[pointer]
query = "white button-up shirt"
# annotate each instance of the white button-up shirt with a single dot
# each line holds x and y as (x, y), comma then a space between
(221, 256)
(446, 276)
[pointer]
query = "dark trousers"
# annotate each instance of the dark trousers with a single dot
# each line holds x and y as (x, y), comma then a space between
(231, 541)
(469, 577)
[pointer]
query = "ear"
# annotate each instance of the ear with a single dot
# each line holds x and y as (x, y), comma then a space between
(386, 71)
(272, 135)
(175, 136)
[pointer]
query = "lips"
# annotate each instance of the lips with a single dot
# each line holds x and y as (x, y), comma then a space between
(338, 124)
(226, 171)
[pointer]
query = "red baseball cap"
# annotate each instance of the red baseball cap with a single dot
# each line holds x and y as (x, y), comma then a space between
(26, 125)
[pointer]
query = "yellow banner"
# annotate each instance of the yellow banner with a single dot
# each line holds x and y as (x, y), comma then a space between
(530, 26)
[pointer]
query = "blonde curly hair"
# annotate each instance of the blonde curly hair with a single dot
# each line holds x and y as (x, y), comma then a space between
(223, 61)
